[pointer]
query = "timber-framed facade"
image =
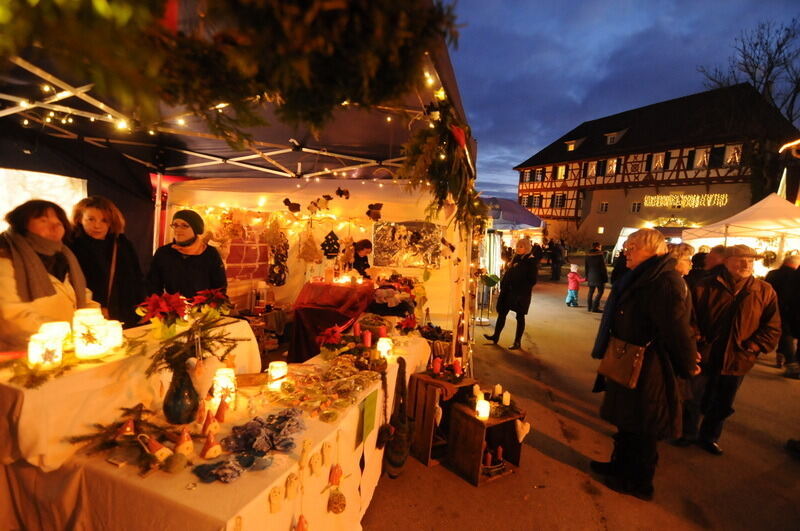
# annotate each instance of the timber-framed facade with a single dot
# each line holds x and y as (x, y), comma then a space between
(679, 163)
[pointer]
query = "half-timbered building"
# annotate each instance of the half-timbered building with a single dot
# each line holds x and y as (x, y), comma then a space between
(683, 162)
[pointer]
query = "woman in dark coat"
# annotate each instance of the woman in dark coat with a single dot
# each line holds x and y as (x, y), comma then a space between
(103, 250)
(515, 291)
(187, 265)
(597, 275)
(650, 306)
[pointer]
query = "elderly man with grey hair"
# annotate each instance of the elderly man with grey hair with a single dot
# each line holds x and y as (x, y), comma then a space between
(737, 319)
(784, 281)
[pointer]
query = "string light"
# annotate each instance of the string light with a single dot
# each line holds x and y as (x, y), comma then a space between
(48, 119)
(122, 124)
(25, 121)
(151, 132)
(440, 94)
(46, 88)
(181, 121)
(388, 118)
(24, 104)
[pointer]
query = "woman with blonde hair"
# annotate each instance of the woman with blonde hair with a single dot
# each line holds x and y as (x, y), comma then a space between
(107, 258)
(648, 307)
(682, 253)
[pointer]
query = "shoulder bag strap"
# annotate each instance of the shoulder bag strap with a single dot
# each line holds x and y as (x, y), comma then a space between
(112, 271)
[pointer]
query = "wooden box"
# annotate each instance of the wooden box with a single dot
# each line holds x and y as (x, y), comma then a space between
(467, 436)
(429, 441)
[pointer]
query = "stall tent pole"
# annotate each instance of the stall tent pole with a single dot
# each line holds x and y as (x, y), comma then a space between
(781, 250)
(725, 243)
(157, 214)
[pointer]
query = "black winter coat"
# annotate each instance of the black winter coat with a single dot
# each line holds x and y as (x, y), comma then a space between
(784, 281)
(127, 290)
(517, 284)
(655, 311)
(595, 268)
(174, 272)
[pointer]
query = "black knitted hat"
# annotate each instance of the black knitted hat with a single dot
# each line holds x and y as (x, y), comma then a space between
(192, 218)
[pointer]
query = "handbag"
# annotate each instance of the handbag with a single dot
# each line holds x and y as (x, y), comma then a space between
(622, 362)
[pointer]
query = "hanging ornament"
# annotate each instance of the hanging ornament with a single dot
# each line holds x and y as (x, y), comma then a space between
(447, 248)
(309, 251)
(313, 207)
(374, 212)
(293, 207)
(343, 192)
(330, 246)
(322, 202)
(337, 503)
(278, 270)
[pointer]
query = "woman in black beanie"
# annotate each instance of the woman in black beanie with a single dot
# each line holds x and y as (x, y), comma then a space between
(187, 265)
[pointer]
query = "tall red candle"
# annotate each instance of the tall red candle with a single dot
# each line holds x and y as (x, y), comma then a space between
(366, 338)
(381, 331)
(357, 329)
(457, 366)
(437, 365)
(487, 458)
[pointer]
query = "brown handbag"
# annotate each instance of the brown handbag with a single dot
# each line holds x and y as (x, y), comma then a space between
(622, 362)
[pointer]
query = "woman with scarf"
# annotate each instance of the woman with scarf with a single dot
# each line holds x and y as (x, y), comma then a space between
(107, 258)
(40, 279)
(516, 288)
(187, 265)
(649, 306)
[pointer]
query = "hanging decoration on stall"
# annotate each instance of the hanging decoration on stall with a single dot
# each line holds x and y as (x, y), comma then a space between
(225, 72)
(407, 244)
(438, 159)
(309, 250)
(294, 208)
(278, 269)
(343, 192)
(330, 246)
(374, 211)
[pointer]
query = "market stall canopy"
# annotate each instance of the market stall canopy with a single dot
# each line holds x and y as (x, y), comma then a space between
(772, 216)
(510, 215)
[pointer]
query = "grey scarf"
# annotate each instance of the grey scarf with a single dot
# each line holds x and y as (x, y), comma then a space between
(33, 281)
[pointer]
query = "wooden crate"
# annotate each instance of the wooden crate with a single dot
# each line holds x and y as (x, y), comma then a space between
(467, 436)
(428, 444)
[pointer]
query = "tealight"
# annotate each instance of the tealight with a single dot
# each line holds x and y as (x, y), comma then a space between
(113, 334)
(277, 370)
(45, 351)
(88, 331)
(224, 384)
(384, 346)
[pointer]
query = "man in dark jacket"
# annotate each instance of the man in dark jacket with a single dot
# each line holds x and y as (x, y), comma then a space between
(649, 306)
(597, 275)
(782, 281)
(556, 260)
(737, 319)
(619, 267)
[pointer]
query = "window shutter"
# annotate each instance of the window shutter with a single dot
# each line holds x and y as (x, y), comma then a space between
(648, 162)
(717, 157)
(667, 158)
(690, 159)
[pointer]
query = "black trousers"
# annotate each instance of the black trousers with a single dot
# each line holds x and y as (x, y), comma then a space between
(595, 305)
(555, 270)
(712, 397)
(501, 322)
(635, 457)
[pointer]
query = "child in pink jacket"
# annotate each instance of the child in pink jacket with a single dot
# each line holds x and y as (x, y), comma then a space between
(573, 285)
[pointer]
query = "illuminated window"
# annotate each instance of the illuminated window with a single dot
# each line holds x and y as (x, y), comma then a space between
(526, 176)
(604, 206)
(570, 146)
(562, 171)
(601, 230)
(658, 162)
(592, 169)
(536, 201)
(611, 167)
(538, 175)
(733, 155)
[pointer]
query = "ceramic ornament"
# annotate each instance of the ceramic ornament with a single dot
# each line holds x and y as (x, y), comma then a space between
(327, 453)
(336, 500)
(154, 448)
(210, 426)
(126, 430)
(185, 446)
(315, 463)
(292, 486)
(437, 414)
(222, 408)
(211, 449)
(275, 498)
(302, 524)
(201, 412)
(305, 453)
(522, 429)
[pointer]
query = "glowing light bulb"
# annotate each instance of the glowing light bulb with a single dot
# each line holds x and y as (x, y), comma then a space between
(122, 124)
(181, 121)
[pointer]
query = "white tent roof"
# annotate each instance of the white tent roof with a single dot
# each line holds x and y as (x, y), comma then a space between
(770, 217)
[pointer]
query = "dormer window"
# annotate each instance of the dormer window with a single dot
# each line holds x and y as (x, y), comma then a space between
(571, 146)
(613, 138)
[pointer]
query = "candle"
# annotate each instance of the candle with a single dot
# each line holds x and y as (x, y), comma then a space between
(277, 373)
(437, 365)
(457, 366)
(366, 338)
(113, 334)
(357, 329)
(498, 390)
(476, 391)
(88, 333)
(359, 280)
(482, 409)
(506, 398)
(56, 329)
(384, 346)
(45, 350)
(224, 385)
(382, 331)
(487, 458)
(499, 453)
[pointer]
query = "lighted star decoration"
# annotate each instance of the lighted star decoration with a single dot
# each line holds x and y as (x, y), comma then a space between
(49, 355)
(89, 338)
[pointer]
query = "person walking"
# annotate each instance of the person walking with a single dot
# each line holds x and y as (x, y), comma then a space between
(648, 307)
(516, 288)
(574, 280)
(619, 267)
(556, 260)
(783, 281)
(596, 275)
(737, 319)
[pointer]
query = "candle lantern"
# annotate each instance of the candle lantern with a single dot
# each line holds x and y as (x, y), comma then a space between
(482, 408)
(54, 329)
(113, 334)
(384, 346)
(88, 333)
(278, 370)
(224, 385)
(45, 350)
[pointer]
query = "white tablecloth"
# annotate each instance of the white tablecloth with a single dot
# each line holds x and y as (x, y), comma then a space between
(38, 420)
(106, 497)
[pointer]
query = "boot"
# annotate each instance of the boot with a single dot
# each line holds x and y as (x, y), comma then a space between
(491, 338)
(792, 370)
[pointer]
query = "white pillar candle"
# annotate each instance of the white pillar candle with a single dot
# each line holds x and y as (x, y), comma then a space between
(506, 398)
(45, 350)
(277, 371)
(88, 331)
(224, 384)
(476, 391)
(482, 409)
(498, 390)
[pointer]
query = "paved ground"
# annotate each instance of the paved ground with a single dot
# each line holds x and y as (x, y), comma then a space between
(755, 485)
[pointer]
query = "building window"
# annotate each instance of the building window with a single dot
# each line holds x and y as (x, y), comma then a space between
(585, 170)
(618, 166)
(559, 200)
(611, 167)
(648, 162)
(667, 159)
(690, 159)
(571, 146)
(658, 162)
(600, 167)
(603, 207)
(562, 173)
(636, 206)
(716, 157)
(611, 139)
(536, 201)
(601, 230)
(733, 156)
(526, 176)
(538, 175)
(701, 158)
